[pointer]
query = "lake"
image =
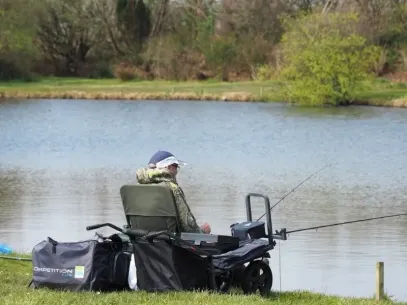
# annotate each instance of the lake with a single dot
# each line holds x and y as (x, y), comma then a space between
(62, 163)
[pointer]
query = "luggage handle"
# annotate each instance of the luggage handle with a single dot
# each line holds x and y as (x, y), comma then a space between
(52, 241)
(54, 244)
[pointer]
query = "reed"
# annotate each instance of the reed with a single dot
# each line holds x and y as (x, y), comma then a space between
(105, 95)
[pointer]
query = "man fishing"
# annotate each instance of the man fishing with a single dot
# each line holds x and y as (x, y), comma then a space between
(163, 169)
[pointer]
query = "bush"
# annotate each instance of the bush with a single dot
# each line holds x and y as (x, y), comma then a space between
(10, 70)
(265, 72)
(125, 72)
(324, 58)
(96, 70)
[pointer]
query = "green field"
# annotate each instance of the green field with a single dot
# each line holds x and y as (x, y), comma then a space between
(381, 93)
(16, 275)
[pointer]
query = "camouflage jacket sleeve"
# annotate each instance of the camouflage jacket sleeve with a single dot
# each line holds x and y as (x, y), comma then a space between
(186, 218)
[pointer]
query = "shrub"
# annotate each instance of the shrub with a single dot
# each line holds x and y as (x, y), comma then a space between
(125, 72)
(324, 58)
(265, 72)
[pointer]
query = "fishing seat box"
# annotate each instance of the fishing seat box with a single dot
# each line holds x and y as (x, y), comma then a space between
(214, 244)
(249, 230)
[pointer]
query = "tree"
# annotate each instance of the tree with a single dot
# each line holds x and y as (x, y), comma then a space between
(17, 52)
(134, 21)
(65, 35)
(325, 58)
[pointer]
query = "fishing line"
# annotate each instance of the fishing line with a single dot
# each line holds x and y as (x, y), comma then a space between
(17, 258)
(279, 265)
(345, 222)
(309, 177)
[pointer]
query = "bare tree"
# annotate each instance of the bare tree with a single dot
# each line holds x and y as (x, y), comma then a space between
(64, 34)
(102, 12)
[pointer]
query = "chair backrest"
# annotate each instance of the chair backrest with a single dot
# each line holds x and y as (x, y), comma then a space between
(150, 207)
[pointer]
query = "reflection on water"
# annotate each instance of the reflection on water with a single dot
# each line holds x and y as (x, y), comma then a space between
(334, 112)
(62, 164)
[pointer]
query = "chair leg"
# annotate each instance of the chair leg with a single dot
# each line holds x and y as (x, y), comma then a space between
(212, 279)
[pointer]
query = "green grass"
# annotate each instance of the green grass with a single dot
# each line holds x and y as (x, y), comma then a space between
(114, 86)
(381, 93)
(55, 83)
(16, 275)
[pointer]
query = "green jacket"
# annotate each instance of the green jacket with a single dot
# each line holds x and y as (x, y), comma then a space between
(164, 176)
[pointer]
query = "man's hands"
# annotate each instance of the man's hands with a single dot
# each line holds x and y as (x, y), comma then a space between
(206, 228)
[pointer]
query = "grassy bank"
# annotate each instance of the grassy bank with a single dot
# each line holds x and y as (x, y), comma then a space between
(16, 275)
(115, 89)
(381, 93)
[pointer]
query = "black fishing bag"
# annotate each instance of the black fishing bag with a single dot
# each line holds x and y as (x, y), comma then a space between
(164, 266)
(91, 265)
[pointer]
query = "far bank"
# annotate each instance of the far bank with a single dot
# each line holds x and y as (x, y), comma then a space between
(380, 93)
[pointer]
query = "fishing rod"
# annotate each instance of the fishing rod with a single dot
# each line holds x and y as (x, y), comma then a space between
(309, 177)
(345, 222)
(16, 258)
